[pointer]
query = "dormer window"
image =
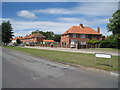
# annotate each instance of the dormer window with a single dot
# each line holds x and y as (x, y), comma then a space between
(82, 36)
(74, 35)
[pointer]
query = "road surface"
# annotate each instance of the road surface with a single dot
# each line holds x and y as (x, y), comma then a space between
(22, 70)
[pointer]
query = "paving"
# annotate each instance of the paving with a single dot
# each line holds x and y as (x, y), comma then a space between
(115, 53)
(20, 70)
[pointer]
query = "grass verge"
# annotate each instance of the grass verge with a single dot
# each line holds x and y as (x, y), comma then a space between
(72, 57)
(106, 49)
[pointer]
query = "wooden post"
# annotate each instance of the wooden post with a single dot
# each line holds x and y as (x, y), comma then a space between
(76, 46)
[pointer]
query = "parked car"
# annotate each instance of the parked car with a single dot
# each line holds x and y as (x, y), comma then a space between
(10, 44)
(15, 44)
(21, 44)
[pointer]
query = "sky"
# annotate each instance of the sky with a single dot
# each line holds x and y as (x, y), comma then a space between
(58, 17)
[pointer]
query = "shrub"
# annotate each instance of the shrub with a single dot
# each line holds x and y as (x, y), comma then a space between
(93, 41)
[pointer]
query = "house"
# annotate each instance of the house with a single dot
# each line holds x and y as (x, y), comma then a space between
(36, 38)
(13, 40)
(48, 41)
(80, 35)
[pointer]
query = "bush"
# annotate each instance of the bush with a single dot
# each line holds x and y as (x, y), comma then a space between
(112, 41)
(105, 44)
(93, 41)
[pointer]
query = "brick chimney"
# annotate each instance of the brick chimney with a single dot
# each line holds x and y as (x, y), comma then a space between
(98, 30)
(81, 25)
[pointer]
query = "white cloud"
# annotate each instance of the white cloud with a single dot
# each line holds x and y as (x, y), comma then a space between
(88, 8)
(26, 14)
(56, 27)
(53, 11)
(88, 22)
(21, 33)
(96, 8)
(5, 19)
(73, 20)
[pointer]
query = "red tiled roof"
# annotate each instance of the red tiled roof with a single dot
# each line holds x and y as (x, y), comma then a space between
(48, 40)
(16, 38)
(80, 30)
(34, 35)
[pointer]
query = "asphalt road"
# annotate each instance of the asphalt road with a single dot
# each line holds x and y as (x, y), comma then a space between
(20, 70)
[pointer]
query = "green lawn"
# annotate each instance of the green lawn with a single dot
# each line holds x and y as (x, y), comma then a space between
(71, 57)
(105, 49)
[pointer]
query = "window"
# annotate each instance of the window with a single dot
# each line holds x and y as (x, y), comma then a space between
(74, 35)
(75, 42)
(63, 43)
(82, 43)
(82, 36)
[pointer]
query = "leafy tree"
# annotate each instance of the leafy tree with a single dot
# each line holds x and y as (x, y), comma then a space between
(18, 41)
(114, 23)
(56, 37)
(49, 34)
(7, 32)
(34, 32)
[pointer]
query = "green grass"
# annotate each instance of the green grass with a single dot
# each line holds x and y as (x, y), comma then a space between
(105, 49)
(71, 57)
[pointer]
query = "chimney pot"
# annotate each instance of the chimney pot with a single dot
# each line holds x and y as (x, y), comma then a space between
(81, 25)
(98, 29)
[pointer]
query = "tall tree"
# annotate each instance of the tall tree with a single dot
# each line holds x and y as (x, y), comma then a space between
(7, 32)
(114, 23)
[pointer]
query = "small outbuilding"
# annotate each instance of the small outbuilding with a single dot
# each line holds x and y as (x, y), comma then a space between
(48, 41)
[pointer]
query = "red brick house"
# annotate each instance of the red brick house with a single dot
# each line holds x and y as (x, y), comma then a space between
(36, 38)
(13, 40)
(80, 35)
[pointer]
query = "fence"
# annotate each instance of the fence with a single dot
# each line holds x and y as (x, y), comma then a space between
(70, 46)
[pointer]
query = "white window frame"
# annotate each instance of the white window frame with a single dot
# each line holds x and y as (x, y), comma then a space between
(82, 35)
(74, 35)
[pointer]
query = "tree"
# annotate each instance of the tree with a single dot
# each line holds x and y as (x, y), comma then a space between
(37, 31)
(18, 41)
(114, 23)
(7, 32)
(49, 34)
(56, 37)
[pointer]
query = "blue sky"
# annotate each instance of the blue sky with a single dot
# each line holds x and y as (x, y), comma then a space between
(26, 17)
